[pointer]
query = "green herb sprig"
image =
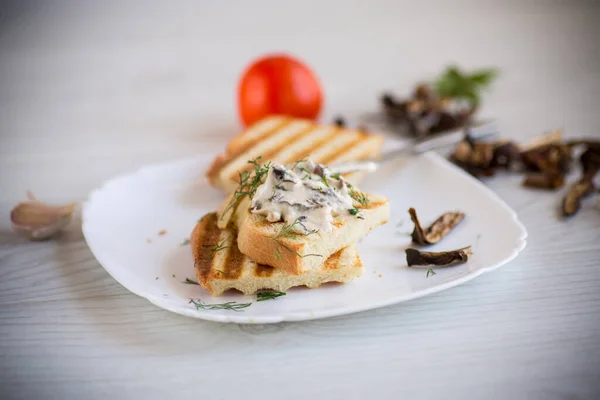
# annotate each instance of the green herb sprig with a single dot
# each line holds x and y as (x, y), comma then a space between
(215, 248)
(268, 295)
(248, 183)
(454, 83)
(190, 282)
(185, 242)
(430, 272)
(359, 196)
(230, 305)
(299, 161)
(289, 231)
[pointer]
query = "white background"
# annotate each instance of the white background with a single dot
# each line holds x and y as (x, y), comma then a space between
(91, 89)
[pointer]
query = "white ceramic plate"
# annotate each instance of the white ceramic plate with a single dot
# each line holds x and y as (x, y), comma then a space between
(122, 221)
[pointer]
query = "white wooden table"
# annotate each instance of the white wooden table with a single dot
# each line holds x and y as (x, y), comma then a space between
(91, 90)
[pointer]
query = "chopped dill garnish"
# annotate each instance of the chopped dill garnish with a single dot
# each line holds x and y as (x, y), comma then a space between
(430, 272)
(354, 211)
(335, 176)
(270, 295)
(248, 183)
(324, 179)
(215, 248)
(185, 242)
(299, 161)
(190, 282)
(359, 197)
(289, 231)
(230, 305)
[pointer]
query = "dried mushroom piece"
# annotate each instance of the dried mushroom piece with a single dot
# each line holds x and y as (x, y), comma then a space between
(547, 154)
(436, 231)
(444, 258)
(39, 221)
(588, 143)
(480, 158)
(572, 201)
(590, 162)
(544, 181)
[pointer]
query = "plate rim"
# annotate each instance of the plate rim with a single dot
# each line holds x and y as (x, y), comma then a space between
(239, 318)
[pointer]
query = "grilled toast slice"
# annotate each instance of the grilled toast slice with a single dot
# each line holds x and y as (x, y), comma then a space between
(220, 265)
(284, 140)
(260, 239)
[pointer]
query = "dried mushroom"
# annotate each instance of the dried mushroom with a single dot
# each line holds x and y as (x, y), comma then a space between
(544, 181)
(444, 258)
(590, 162)
(448, 103)
(572, 201)
(339, 122)
(480, 158)
(547, 154)
(39, 221)
(436, 231)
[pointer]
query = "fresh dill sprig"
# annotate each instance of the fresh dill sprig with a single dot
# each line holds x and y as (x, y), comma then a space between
(324, 179)
(354, 211)
(299, 161)
(289, 231)
(248, 183)
(215, 248)
(430, 272)
(270, 295)
(359, 196)
(190, 282)
(335, 176)
(230, 305)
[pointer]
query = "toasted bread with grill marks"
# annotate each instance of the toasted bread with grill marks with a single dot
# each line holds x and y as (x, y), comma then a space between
(285, 139)
(221, 266)
(300, 253)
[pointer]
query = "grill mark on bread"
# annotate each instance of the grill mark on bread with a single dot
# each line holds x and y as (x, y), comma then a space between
(372, 204)
(263, 271)
(233, 263)
(209, 236)
(271, 155)
(248, 145)
(333, 261)
(313, 147)
(336, 154)
(358, 261)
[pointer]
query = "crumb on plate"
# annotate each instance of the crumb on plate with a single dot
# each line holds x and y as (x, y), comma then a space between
(162, 232)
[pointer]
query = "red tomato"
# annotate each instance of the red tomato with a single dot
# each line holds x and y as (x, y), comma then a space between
(278, 84)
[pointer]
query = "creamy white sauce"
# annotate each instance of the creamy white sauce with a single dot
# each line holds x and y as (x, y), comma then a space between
(305, 193)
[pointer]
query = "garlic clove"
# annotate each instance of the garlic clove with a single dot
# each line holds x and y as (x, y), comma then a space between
(39, 221)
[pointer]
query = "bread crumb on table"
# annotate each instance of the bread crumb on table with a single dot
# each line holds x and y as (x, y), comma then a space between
(379, 275)
(148, 240)
(163, 232)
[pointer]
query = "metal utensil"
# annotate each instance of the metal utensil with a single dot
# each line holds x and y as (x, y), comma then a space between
(477, 131)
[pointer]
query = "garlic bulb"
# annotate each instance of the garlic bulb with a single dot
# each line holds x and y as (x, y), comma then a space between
(39, 221)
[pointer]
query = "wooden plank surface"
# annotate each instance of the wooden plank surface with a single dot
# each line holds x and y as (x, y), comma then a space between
(90, 90)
